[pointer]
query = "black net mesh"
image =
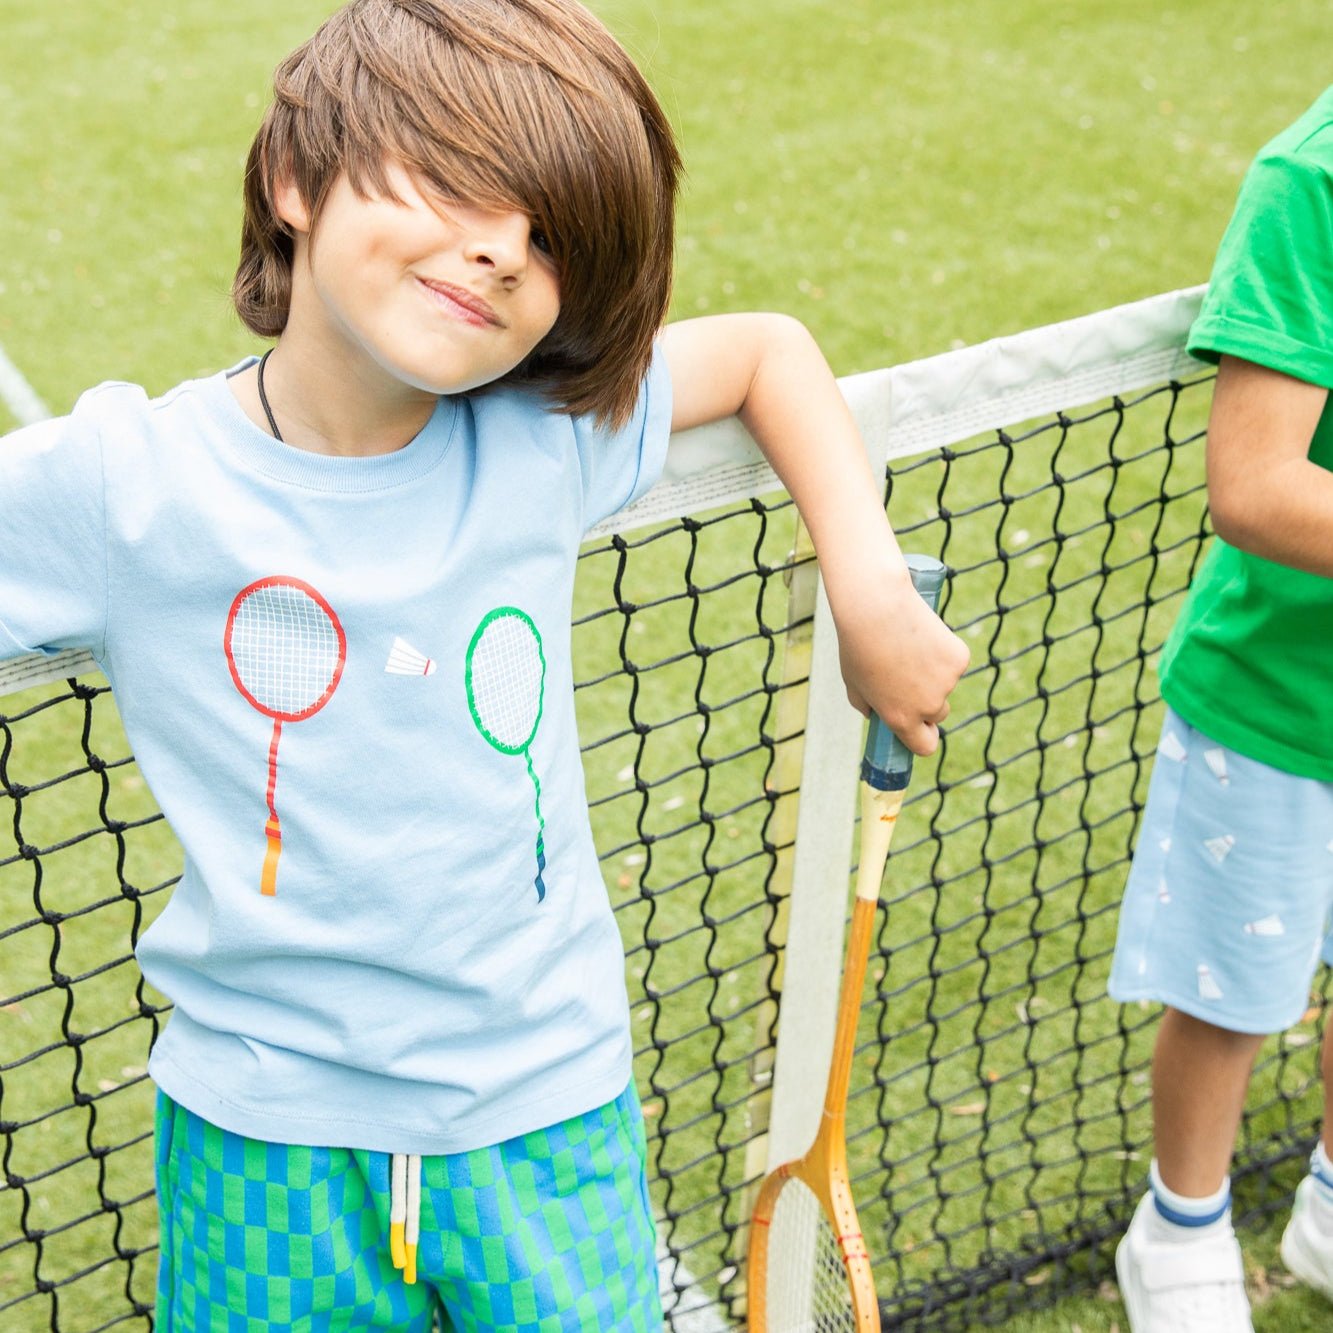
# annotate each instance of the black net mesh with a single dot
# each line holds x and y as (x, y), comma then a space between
(998, 1122)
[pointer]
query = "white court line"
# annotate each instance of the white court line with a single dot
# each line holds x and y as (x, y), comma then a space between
(686, 1307)
(18, 395)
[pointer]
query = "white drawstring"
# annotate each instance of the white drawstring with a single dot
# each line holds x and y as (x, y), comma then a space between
(405, 1212)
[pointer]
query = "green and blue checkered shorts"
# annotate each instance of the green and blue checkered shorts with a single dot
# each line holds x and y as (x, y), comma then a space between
(548, 1231)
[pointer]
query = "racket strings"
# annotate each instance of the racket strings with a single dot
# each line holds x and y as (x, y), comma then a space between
(506, 676)
(285, 649)
(807, 1288)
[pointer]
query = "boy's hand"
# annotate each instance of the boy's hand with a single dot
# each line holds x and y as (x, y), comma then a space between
(897, 656)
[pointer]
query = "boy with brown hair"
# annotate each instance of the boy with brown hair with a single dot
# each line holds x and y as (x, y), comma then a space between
(397, 1078)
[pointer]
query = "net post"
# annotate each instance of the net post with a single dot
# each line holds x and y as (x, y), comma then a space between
(789, 752)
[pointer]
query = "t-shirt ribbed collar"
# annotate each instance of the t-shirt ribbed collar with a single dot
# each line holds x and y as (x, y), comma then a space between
(257, 450)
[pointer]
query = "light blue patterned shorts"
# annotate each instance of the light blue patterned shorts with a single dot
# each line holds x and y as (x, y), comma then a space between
(1229, 900)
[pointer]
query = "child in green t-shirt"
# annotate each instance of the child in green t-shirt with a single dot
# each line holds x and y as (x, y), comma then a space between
(1227, 909)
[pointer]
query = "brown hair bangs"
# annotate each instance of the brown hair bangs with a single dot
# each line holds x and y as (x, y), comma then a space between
(526, 104)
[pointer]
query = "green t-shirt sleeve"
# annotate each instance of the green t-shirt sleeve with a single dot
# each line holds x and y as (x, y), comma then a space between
(1270, 298)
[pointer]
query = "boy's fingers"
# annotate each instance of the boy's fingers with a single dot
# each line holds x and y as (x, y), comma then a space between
(923, 740)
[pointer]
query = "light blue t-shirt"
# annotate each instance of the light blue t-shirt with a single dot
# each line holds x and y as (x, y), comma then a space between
(348, 681)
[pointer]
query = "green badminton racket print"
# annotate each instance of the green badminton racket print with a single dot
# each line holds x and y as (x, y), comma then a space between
(506, 677)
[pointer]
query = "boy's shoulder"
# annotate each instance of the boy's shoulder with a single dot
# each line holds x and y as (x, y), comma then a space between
(121, 411)
(111, 397)
(1308, 140)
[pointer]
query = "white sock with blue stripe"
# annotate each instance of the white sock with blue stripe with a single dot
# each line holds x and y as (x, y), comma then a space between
(1179, 1219)
(1321, 1197)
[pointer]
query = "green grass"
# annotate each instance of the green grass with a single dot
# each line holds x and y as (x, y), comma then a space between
(904, 178)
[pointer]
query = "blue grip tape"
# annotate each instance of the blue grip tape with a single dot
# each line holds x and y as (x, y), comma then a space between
(887, 763)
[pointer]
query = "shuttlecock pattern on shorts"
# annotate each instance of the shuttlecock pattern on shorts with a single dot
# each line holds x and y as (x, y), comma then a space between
(1172, 747)
(1270, 926)
(1216, 759)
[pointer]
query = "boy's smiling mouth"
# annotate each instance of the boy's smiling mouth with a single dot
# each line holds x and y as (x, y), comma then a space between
(461, 303)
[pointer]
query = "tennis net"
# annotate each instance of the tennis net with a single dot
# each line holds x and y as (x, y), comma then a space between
(998, 1119)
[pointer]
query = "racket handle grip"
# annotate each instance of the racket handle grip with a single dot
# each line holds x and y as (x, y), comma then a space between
(886, 764)
(268, 882)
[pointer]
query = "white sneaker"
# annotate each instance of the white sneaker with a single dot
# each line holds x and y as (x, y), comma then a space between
(1182, 1287)
(1306, 1250)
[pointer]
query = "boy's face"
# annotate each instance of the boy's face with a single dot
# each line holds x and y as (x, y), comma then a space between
(443, 296)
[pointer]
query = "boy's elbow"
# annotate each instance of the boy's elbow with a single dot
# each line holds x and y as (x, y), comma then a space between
(787, 330)
(786, 346)
(1237, 516)
(1223, 515)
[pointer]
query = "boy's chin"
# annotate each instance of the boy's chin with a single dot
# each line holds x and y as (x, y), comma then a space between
(443, 383)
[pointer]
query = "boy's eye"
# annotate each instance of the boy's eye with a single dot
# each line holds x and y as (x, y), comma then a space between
(540, 240)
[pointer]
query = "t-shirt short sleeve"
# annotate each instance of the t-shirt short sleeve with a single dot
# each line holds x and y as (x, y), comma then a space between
(618, 466)
(1270, 298)
(52, 537)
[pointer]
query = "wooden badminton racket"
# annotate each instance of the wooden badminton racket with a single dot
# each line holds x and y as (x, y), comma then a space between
(809, 1268)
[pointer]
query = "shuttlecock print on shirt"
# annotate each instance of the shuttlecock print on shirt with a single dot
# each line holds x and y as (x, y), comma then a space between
(285, 650)
(506, 680)
(1208, 987)
(405, 660)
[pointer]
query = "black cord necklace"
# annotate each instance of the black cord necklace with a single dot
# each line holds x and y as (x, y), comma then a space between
(263, 399)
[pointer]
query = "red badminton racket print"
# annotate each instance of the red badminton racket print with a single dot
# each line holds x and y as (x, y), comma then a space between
(286, 650)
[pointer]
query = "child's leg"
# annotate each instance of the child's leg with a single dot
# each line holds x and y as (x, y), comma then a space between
(264, 1235)
(549, 1231)
(1228, 898)
(1179, 1264)
(1200, 1075)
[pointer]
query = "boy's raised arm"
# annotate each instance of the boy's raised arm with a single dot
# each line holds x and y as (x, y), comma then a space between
(897, 656)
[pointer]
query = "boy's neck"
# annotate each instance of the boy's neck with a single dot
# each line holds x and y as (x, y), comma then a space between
(327, 407)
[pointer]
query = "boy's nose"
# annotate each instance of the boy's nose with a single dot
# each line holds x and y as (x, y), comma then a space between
(499, 241)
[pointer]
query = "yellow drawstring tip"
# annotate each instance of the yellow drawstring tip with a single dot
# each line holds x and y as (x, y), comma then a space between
(397, 1245)
(410, 1265)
